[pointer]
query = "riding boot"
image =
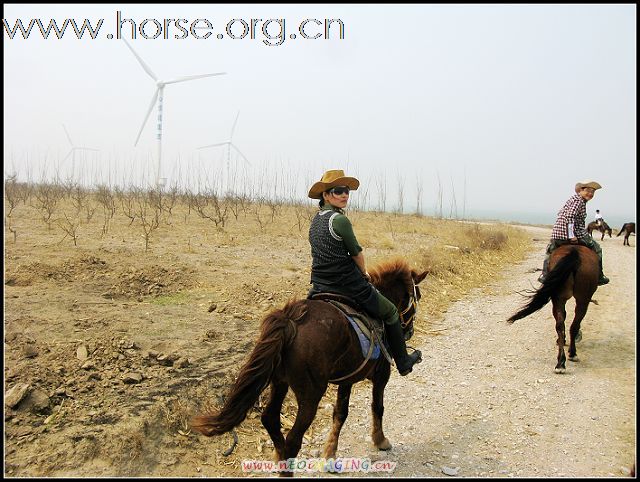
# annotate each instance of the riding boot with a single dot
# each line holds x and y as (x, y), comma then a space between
(404, 361)
(602, 280)
(545, 270)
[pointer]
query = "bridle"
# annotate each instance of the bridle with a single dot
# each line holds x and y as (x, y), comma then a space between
(409, 313)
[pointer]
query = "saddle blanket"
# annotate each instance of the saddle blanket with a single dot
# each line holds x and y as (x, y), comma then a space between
(365, 343)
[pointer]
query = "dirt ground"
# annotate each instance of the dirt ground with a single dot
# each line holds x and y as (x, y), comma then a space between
(485, 402)
(110, 350)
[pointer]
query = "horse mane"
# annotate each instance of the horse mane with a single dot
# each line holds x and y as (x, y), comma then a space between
(390, 272)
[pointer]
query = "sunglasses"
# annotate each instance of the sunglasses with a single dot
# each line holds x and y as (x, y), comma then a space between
(339, 190)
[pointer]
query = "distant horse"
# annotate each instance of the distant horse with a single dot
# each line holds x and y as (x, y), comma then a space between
(306, 345)
(573, 271)
(603, 228)
(627, 229)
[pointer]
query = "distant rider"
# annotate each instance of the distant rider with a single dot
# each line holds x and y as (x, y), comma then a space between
(569, 227)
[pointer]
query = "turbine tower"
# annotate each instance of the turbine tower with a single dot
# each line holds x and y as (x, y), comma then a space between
(229, 145)
(158, 97)
(72, 152)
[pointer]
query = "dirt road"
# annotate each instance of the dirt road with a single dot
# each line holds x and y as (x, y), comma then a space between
(486, 401)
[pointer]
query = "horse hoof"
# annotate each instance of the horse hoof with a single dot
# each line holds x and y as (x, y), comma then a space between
(574, 358)
(384, 445)
(560, 370)
(329, 454)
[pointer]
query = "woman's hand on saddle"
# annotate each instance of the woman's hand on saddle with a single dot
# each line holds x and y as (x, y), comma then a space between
(573, 240)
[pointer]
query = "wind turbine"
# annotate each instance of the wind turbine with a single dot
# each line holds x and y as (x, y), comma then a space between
(72, 152)
(229, 145)
(158, 96)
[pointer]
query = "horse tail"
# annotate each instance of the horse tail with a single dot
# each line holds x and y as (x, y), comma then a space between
(621, 229)
(278, 329)
(554, 281)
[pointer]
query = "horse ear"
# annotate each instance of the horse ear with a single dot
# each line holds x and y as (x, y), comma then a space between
(418, 277)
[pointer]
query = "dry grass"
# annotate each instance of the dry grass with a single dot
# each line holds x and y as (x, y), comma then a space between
(458, 255)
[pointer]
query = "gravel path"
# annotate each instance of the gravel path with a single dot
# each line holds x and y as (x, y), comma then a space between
(486, 402)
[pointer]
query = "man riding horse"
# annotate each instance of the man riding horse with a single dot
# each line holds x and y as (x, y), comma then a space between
(598, 218)
(569, 227)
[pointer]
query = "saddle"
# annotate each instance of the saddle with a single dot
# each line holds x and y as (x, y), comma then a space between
(370, 330)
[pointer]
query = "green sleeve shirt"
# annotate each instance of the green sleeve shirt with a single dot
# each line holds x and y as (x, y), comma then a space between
(343, 228)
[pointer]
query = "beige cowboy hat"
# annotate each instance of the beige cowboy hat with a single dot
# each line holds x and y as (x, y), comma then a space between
(332, 178)
(591, 184)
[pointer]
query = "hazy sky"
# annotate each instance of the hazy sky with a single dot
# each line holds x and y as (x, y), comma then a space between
(487, 108)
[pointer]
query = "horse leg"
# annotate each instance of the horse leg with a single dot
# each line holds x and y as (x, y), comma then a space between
(559, 314)
(377, 409)
(271, 416)
(307, 408)
(581, 311)
(340, 412)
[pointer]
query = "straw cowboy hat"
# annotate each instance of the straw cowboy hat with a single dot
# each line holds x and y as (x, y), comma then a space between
(591, 184)
(331, 179)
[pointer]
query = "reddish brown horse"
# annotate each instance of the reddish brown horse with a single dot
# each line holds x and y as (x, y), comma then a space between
(603, 228)
(573, 271)
(627, 229)
(306, 345)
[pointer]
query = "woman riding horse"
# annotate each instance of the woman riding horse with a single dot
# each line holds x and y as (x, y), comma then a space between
(569, 227)
(339, 266)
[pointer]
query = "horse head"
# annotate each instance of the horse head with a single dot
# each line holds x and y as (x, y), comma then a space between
(399, 284)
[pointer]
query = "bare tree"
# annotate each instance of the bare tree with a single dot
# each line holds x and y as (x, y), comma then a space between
(70, 227)
(208, 206)
(128, 202)
(400, 208)
(148, 217)
(454, 204)
(47, 198)
(439, 198)
(382, 194)
(419, 196)
(11, 193)
(106, 199)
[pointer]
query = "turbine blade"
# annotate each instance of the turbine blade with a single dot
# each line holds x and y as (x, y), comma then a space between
(214, 145)
(239, 152)
(146, 68)
(153, 102)
(192, 77)
(68, 136)
(234, 126)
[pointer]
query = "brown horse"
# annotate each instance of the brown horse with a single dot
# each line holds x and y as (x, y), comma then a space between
(603, 228)
(627, 229)
(573, 271)
(306, 345)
